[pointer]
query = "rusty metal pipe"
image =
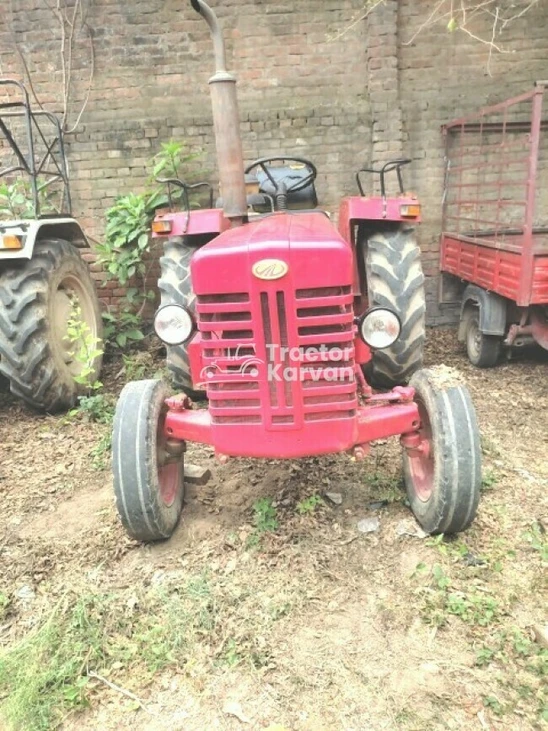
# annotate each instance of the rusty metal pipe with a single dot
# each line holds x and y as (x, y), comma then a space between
(226, 121)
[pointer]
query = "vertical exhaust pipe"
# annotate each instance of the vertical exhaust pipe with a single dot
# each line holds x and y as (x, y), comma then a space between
(226, 120)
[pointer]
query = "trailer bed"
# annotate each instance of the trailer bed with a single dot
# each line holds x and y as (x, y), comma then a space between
(495, 213)
(497, 266)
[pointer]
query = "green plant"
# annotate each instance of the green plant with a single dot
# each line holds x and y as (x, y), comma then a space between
(484, 656)
(490, 447)
(526, 662)
(127, 243)
(420, 569)
(493, 703)
(451, 548)
(16, 200)
(265, 516)
(41, 677)
(232, 656)
(385, 486)
(85, 348)
(123, 327)
(309, 504)
(475, 608)
(127, 236)
(173, 161)
(440, 577)
(47, 675)
(537, 538)
(98, 408)
(489, 479)
(100, 451)
(139, 365)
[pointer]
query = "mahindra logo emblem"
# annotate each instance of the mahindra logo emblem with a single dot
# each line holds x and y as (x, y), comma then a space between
(270, 269)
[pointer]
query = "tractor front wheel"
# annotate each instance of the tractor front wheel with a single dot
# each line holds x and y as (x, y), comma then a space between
(442, 469)
(148, 470)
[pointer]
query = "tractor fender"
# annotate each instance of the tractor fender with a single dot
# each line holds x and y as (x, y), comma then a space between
(492, 311)
(31, 231)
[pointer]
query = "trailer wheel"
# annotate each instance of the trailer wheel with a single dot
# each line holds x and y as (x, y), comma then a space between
(395, 280)
(176, 289)
(36, 300)
(443, 473)
(147, 470)
(483, 350)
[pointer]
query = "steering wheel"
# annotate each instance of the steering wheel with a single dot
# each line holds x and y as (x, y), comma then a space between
(280, 187)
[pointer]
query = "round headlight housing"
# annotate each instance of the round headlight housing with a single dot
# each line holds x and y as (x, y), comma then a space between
(379, 328)
(173, 324)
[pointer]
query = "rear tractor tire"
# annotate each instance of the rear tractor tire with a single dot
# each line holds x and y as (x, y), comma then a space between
(483, 350)
(395, 280)
(443, 472)
(37, 297)
(148, 471)
(176, 289)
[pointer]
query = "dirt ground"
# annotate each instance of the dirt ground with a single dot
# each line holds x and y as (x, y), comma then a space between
(278, 613)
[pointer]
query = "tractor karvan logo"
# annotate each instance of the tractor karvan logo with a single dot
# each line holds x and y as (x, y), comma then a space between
(270, 269)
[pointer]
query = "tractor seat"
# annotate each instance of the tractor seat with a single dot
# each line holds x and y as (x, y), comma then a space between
(261, 193)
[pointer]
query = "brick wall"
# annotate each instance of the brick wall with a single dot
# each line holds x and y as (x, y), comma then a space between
(341, 100)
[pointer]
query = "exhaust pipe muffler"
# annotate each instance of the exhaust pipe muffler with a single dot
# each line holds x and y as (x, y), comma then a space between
(226, 121)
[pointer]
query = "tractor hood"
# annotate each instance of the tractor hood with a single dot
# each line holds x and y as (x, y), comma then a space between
(303, 249)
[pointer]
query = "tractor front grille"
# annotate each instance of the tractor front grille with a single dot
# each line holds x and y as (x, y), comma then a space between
(229, 357)
(278, 357)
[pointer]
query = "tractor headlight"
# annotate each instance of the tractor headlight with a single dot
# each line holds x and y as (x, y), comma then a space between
(173, 324)
(379, 328)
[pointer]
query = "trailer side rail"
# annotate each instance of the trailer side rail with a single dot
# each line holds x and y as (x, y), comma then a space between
(493, 181)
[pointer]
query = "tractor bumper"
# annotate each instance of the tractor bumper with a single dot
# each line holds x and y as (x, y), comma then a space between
(384, 415)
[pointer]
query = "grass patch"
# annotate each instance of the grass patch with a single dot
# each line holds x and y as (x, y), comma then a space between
(537, 538)
(265, 520)
(98, 408)
(309, 504)
(100, 453)
(141, 364)
(526, 663)
(386, 487)
(265, 515)
(127, 637)
(489, 479)
(43, 677)
(442, 600)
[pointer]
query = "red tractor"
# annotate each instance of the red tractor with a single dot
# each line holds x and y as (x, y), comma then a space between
(288, 324)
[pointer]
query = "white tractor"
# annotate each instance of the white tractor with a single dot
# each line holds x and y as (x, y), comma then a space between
(44, 282)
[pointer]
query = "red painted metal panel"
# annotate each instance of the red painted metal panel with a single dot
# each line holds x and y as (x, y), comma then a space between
(203, 221)
(540, 281)
(493, 269)
(489, 216)
(354, 209)
(368, 424)
(268, 396)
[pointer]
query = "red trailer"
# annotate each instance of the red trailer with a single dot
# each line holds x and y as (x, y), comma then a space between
(494, 245)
